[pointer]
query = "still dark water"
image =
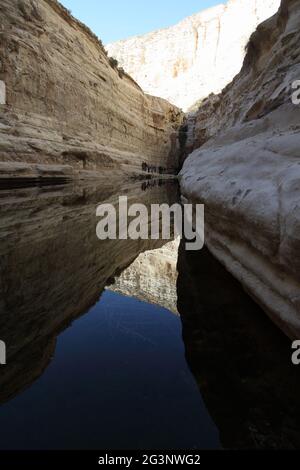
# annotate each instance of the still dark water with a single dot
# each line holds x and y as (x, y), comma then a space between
(119, 380)
(130, 344)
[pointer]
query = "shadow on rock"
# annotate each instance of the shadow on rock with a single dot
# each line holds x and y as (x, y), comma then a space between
(240, 360)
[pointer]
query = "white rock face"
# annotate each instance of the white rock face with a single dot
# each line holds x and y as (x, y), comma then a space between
(247, 170)
(198, 56)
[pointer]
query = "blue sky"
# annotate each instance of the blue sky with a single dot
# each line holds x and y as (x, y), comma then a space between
(112, 20)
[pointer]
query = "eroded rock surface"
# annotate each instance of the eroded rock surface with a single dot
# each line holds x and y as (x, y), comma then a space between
(247, 169)
(198, 56)
(68, 104)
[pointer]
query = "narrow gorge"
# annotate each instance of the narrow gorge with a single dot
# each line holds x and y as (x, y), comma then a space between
(241, 145)
(71, 112)
(136, 341)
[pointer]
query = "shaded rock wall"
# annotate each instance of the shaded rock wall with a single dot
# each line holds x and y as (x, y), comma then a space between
(240, 360)
(198, 56)
(247, 169)
(67, 104)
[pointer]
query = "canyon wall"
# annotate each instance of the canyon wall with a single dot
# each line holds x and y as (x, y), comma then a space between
(69, 110)
(198, 56)
(247, 169)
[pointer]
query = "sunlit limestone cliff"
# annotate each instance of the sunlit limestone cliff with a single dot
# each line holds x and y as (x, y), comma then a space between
(199, 55)
(246, 169)
(69, 110)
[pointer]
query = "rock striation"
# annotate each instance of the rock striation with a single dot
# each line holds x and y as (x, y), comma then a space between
(247, 169)
(69, 110)
(198, 56)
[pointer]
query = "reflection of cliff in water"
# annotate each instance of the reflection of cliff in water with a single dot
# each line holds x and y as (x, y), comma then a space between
(152, 277)
(241, 361)
(54, 269)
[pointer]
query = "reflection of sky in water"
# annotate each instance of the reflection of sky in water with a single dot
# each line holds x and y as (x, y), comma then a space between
(118, 380)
